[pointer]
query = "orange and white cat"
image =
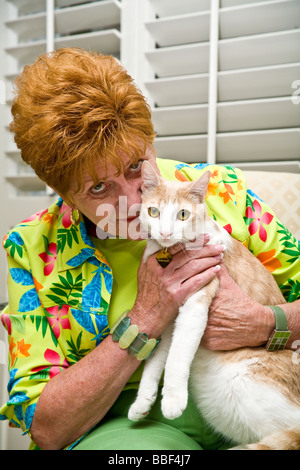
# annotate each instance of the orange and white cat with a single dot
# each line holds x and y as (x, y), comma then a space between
(250, 395)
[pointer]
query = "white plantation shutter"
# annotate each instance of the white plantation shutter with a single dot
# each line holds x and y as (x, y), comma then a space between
(257, 46)
(180, 63)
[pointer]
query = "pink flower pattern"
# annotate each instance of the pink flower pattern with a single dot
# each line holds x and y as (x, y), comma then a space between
(49, 258)
(66, 218)
(56, 320)
(259, 220)
(38, 215)
(54, 359)
(6, 322)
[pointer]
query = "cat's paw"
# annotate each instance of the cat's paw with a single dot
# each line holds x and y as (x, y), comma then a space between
(138, 410)
(173, 404)
(141, 407)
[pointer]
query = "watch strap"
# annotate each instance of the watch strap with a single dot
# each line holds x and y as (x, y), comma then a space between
(281, 334)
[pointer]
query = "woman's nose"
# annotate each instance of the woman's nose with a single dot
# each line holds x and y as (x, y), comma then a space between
(133, 191)
(130, 197)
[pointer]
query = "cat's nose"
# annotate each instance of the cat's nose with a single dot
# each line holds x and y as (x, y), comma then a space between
(165, 236)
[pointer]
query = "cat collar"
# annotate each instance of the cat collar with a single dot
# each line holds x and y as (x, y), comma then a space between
(164, 257)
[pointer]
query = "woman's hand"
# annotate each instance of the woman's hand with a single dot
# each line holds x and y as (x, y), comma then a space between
(235, 320)
(161, 291)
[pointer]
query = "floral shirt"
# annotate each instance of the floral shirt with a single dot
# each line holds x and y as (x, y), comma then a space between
(60, 285)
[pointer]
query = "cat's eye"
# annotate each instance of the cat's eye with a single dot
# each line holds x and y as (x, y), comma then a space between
(183, 214)
(153, 211)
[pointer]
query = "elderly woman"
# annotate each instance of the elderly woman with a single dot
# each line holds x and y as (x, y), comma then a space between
(85, 129)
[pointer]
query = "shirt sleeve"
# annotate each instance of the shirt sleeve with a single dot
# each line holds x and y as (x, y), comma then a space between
(34, 353)
(274, 245)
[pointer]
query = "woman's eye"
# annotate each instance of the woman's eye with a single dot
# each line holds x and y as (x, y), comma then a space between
(99, 188)
(136, 166)
(183, 214)
(153, 211)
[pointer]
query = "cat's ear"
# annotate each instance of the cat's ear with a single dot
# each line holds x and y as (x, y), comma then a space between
(199, 187)
(149, 176)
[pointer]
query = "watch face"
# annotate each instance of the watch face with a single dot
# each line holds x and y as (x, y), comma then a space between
(278, 340)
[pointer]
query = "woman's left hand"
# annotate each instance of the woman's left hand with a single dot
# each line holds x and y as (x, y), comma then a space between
(235, 320)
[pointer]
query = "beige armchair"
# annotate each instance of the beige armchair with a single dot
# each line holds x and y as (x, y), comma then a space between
(281, 191)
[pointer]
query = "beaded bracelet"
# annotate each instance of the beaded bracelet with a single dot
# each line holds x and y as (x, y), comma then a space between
(128, 335)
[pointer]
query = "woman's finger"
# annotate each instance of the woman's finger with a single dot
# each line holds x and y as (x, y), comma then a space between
(183, 257)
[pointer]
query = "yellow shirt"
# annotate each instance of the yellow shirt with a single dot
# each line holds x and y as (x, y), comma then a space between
(124, 257)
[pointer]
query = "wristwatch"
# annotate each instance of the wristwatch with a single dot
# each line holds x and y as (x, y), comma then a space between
(281, 334)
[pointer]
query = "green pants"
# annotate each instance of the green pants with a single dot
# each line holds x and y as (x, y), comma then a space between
(155, 432)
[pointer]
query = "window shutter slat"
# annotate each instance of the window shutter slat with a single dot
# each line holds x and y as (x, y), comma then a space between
(179, 7)
(259, 18)
(182, 29)
(185, 89)
(269, 145)
(259, 50)
(259, 82)
(179, 60)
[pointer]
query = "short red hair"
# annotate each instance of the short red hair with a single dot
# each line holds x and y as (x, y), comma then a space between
(73, 108)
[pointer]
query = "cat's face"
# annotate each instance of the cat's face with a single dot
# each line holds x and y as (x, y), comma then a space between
(172, 212)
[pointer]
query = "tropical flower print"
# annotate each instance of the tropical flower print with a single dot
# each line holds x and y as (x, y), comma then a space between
(56, 366)
(227, 193)
(269, 260)
(49, 258)
(259, 220)
(180, 176)
(18, 349)
(228, 228)
(38, 215)
(211, 189)
(58, 318)
(6, 322)
(66, 218)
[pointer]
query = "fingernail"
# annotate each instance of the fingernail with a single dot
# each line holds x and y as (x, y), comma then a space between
(217, 268)
(206, 238)
(221, 248)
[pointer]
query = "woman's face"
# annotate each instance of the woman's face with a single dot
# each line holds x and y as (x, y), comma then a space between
(113, 203)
